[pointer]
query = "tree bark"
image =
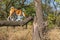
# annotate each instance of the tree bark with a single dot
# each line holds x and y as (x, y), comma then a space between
(16, 23)
(38, 22)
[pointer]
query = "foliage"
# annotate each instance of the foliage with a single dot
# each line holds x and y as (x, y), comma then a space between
(51, 20)
(6, 4)
(51, 13)
(57, 0)
(29, 9)
(58, 20)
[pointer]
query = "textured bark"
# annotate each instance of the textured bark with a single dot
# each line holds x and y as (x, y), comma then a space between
(16, 23)
(38, 22)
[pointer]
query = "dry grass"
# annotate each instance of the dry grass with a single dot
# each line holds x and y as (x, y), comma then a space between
(53, 34)
(17, 33)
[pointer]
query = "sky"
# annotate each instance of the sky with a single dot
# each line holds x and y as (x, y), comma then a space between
(28, 1)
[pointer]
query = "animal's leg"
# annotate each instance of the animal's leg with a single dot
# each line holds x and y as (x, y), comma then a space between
(8, 19)
(24, 14)
(10, 15)
(15, 16)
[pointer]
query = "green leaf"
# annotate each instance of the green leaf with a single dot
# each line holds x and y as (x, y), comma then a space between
(57, 0)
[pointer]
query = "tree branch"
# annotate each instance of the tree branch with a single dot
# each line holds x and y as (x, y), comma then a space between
(16, 23)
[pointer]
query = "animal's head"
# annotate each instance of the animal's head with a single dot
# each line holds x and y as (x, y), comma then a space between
(12, 7)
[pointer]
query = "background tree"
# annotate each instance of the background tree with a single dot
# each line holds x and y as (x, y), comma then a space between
(44, 9)
(38, 21)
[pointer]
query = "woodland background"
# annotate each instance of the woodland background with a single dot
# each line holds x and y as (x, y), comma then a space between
(51, 14)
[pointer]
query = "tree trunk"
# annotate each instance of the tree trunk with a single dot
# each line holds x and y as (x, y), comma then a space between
(38, 22)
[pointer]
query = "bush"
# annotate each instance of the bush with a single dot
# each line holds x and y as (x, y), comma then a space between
(58, 20)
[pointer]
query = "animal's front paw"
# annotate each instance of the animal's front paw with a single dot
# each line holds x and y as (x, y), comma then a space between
(8, 19)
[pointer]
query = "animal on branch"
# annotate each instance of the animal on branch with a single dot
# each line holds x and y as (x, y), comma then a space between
(16, 14)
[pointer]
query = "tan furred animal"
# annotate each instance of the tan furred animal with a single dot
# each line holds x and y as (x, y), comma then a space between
(18, 12)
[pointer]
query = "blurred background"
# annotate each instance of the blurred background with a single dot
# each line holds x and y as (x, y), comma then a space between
(51, 13)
